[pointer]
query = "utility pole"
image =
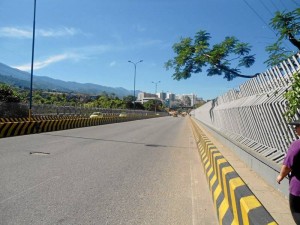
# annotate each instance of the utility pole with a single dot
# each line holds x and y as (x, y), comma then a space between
(134, 63)
(32, 61)
(155, 92)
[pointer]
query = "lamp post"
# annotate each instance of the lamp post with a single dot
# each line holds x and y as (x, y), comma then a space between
(32, 61)
(156, 85)
(134, 63)
(155, 92)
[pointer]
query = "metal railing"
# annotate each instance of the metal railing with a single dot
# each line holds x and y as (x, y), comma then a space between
(18, 110)
(253, 115)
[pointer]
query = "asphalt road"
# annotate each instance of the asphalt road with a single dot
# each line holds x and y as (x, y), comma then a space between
(139, 172)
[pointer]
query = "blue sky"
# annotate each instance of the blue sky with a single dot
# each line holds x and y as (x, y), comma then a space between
(91, 41)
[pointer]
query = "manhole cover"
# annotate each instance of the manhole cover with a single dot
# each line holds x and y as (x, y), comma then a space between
(39, 153)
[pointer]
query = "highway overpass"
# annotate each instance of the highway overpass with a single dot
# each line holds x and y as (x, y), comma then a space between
(138, 172)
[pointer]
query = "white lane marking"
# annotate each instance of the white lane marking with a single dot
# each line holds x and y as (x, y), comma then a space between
(29, 189)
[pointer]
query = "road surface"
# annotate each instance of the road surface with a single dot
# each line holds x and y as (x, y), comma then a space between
(139, 172)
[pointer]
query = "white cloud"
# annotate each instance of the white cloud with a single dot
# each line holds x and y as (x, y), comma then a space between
(64, 31)
(75, 54)
(86, 52)
(52, 59)
(16, 32)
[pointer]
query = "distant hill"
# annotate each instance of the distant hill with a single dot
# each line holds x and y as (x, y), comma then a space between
(21, 79)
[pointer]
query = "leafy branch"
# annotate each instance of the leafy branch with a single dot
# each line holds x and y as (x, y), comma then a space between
(293, 97)
(225, 58)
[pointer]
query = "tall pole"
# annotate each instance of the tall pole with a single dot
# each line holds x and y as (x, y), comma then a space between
(134, 63)
(32, 61)
(156, 86)
(155, 93)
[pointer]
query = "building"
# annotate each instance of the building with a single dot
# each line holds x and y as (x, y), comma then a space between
(162, 95)
(171, 96)
(144, 97)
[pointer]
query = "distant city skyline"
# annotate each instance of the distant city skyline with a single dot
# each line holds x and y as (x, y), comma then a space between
(169, 98)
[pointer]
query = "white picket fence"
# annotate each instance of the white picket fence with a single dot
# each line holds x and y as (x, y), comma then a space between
(253, 115)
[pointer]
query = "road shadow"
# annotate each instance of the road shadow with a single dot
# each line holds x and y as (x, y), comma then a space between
(117, 141)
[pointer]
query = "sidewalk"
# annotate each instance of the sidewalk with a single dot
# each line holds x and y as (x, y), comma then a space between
(275, 203)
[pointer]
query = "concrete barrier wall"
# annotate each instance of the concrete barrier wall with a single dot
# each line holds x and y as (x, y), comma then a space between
(234, 201)
(250, 119)
(39, 125)
(253, 114)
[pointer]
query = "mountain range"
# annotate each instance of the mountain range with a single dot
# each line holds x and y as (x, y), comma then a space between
(15, 77)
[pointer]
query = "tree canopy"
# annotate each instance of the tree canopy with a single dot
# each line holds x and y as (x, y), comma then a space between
(153, 105)
(225, 58)
(287, 25)
(8, 94)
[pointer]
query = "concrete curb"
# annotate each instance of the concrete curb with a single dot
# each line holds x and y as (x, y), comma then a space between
(235, 203)
(23, 127)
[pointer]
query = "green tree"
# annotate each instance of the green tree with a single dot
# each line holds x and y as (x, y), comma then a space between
(139, 106)
(37, 97)
(225, 58)
(287, 26)
(129, 98)
(8, 94)
(152, 104)
(149, 105)
(128, 101)
(293, 97)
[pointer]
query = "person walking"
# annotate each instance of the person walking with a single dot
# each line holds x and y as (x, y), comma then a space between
(291, 167)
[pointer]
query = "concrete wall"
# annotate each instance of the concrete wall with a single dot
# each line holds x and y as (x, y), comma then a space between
(250, 120)
(234, 201)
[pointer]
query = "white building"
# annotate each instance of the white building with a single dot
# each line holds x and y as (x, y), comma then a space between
(144, 97)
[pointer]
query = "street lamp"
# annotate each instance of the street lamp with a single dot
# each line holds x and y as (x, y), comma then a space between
(156, 86)
(134, 63)
(155, 92)
(32, 61)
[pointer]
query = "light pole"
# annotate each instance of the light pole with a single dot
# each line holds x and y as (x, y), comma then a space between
(32, 61)
(134, 63)
(155, 92)
(156, 86)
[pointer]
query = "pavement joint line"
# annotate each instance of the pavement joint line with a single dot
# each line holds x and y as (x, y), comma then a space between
(192, 193)
(29, 189)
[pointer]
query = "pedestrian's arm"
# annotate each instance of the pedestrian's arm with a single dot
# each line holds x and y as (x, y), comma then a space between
(283, 173)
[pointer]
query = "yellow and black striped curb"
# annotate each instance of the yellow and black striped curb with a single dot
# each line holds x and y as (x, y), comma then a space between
(235, 203)
(48, 117)
(22, 127)
(35, 118)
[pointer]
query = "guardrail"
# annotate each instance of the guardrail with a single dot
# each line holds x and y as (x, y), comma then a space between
(234, 201)
(13, 109)
(47, 124)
